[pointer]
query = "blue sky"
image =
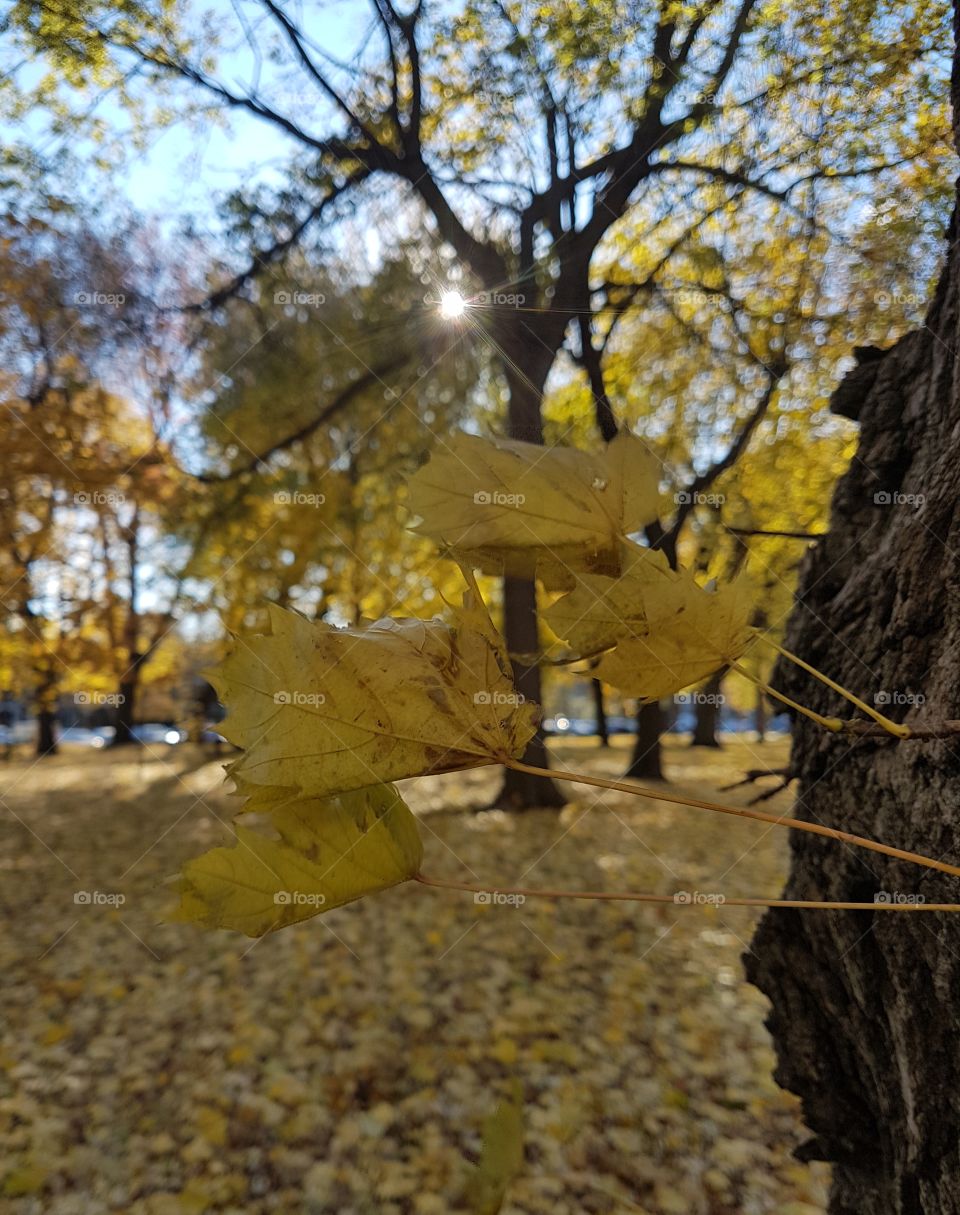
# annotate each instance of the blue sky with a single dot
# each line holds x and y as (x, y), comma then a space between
(188, 166)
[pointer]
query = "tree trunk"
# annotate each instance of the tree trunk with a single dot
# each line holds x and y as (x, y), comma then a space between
(707, 712)
(520, 790)
(46, 732)
(645, 762)
(126, 713)
(865, 1005)
(130, 680)
(526, 368)
(600, 712)
(760, 716)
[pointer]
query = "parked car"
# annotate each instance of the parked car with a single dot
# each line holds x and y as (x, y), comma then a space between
(683, 722)
(153, 733)
(80, 736)
(19, 733)
(581, 726)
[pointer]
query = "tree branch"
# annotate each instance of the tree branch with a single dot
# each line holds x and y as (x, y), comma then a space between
(590, 359)
(266, 257)
(762, 531)
(296, 42)
(340, 402)
(733, 452)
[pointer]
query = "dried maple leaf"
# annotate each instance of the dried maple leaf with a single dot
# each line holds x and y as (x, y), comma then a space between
(657, 629)
(710, 630)
(528, 510)
(320, 710)
(602, 611)
(329, 852)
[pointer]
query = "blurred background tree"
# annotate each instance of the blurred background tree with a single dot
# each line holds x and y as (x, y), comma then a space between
(669, 218)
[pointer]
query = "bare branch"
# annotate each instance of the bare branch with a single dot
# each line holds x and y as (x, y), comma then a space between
(679, 60)
(590, 359)
(344, 398)
(763, 531)
(733, 452)
(295, 40)
(741, 25)
(733, 177)
(386, 17)
(266, 257)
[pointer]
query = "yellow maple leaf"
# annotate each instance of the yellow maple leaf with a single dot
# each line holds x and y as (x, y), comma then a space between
(527, 510)
(660, 630)
(320, 710)
(601, 611)
(329, 852)
(709, 632)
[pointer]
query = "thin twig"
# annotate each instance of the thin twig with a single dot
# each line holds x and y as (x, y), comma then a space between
(892, 727)
(739, 811)
(867, 729)
(755, 774)
(676, 900)
(767, 794)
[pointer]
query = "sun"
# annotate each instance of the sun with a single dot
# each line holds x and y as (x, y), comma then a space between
(452, 305)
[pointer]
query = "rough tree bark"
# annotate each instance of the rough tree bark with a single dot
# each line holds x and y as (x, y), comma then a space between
(865, 1006)
(646, 760)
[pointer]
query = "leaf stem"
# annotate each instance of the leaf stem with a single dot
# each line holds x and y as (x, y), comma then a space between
(891, 727)
(935, 730)
(833, 724)
(542, 658)
(678, 799)
(632, 897)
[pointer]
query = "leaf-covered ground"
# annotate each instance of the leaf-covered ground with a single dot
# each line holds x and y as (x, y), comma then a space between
(346, 1065)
